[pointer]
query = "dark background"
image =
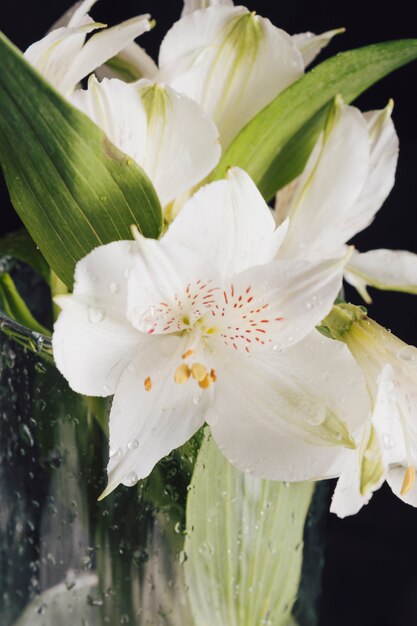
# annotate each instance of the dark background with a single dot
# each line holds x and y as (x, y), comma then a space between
(370, 573)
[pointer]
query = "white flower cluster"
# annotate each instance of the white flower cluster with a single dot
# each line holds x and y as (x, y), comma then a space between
(216, 321)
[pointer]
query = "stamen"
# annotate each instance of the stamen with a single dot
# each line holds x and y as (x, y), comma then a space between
(187, 354)
(147, 383)
(213, 375)
(182, 374)
(205, 382)
(409, 478)
(199, 371)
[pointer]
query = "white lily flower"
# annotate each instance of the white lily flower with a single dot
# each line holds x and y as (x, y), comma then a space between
(205, 326)
(64, 57)
(389, 440)
(166, 133)
(347, 178)
(231, 61)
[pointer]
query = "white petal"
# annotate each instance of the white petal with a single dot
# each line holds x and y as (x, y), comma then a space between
(394, 270)
(323, 213)
(229, 223)
(54, 55)
(116, 107)
(267, 411)
(183, 145)
(293, 296)
(132, 63)
(231, 62)
(347, 498)
(383, 163)
(395, 479)
(146, 425)
(75, 15)
(105, 45)
(386, 419)
(194, 5)
(93, 342)
(169, 287)
(310, 45)
(80, 9)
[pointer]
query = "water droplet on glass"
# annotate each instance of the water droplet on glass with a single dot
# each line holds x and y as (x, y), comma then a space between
(133, 445)
(115, 453)
(387, 441)
(131, 479)
(114, 288)
(95, 315)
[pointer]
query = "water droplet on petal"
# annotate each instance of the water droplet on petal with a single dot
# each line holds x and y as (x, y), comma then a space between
(387, 441)
(133, 444)
(95, 314)
(406, 353)
(196, 400)
(131, 479)
(115, 453)
(106, 389)
(114, 288)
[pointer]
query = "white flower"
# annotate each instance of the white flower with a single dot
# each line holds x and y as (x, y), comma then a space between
(64, 56)
(346, 180)
(231, 61)
(205, 326)
(388, 450)
(166, 133)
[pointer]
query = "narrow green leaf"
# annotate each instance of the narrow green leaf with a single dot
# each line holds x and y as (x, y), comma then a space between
(15, 307)
(72, 188)
(20, 245)
(273, 148)
(243, 544)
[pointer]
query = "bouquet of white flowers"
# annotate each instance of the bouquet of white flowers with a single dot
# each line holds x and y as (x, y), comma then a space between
(192, 221)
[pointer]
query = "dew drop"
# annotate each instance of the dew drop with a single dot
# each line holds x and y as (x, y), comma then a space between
(95, 315)
(106, 389)
(131, 479)
(196, 400)
(133, 444)
(114, 288)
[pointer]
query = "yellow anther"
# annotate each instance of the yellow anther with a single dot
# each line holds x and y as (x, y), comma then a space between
(206, 382)
(187, 354)
(198, 371)
(182, 374)
(409, 478)
(147, 383)
(213, 375)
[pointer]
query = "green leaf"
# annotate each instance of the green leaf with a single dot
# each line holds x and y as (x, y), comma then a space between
(14, 306)
(274, 147)
(244, 544)
(72, 188)
(20, 245)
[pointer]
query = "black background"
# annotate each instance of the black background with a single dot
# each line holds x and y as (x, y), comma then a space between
(370, 573)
